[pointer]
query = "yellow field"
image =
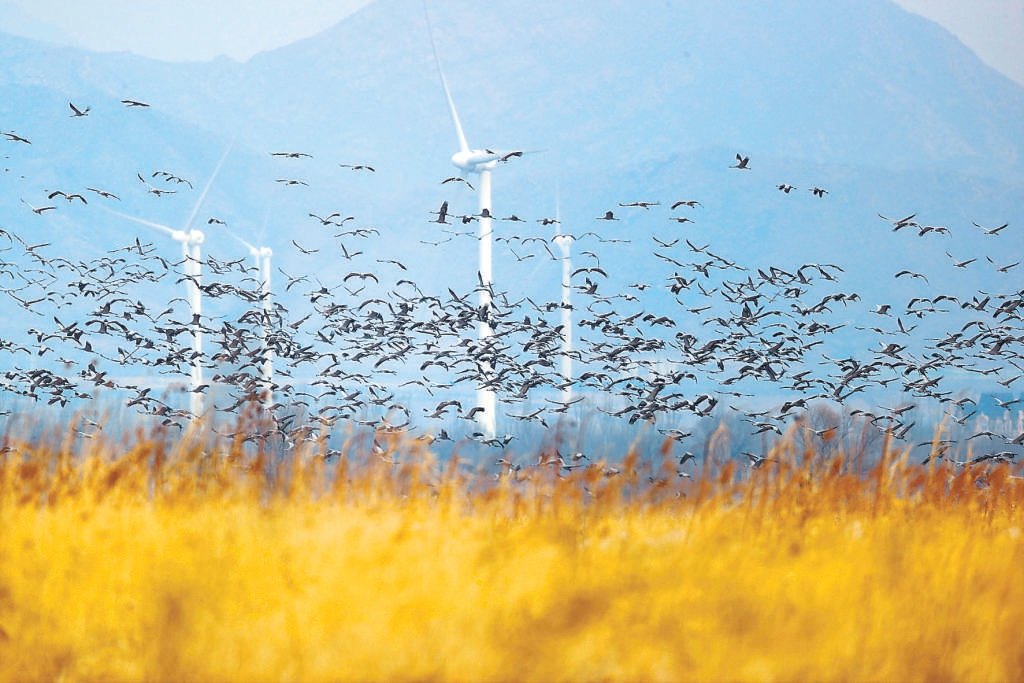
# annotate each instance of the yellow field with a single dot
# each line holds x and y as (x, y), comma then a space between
(163, 557)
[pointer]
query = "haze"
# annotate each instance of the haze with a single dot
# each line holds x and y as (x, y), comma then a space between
(194, 30)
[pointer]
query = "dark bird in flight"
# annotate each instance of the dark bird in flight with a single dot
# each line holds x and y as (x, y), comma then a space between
(642, 205)
(76, 112)
(687, 202)
(16, 138)
(442, 214)
(911, 274)
(65, 195)
(991, 231)
(359, 167)
(133, 103)
(785, 187)
(458, 179)
(288, 181)
(103, 193)
(742, 163)
(303, 249)
(292, 155)
(608, 216)
(818, 192)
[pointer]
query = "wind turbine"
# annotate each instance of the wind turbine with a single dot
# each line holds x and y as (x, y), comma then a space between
(261, 255)
(480, 162)
(190, 240)
(564, 243)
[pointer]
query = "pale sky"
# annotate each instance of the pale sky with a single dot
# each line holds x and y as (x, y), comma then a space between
(183, 30)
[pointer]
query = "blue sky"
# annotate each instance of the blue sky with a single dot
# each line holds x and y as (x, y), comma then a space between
(200, 30)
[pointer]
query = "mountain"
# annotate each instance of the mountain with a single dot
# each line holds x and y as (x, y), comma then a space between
(618, 101)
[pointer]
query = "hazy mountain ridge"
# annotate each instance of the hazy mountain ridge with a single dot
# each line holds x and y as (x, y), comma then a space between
(629, 101)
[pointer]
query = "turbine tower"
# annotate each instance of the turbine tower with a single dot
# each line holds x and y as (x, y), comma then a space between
(564, 243)
(190, 239)
(261, 255)
(480, 162)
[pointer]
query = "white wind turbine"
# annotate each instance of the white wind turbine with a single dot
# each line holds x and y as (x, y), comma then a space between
(190, 239)
(480, 162)
(564, 243)
(261, 255)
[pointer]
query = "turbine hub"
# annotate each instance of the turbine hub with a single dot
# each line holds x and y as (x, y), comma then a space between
(475, 160)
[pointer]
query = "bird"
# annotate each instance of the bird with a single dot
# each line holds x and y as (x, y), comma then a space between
(960, 264)
(900, 223)
(171, 178)
(457, 179)
(818, 192)
(991, 231)
(608, 216)
(288, 181)
(103, 193)
(303, 249)
(442, 214)
(151, 189)
(642, 205)
(359, 167)
(1002, 269)
(911, 274)
(786, 188)
(13, 137)
(133, 103)
(65, 195)
(38, 210)
(292, 155)
(685, 202)
(742, 163)
(757, 461)
(76, 112)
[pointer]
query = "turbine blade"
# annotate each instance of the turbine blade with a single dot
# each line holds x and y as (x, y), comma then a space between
(245, 244)
(206, 189)
(463, 146)
(140, 221)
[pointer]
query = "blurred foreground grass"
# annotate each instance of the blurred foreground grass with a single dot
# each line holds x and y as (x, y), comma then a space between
(192, 557)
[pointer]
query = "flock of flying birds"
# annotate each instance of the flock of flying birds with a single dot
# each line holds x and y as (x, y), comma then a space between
(355, 348)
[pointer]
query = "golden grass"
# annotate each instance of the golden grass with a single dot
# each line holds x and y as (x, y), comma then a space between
(193, 559)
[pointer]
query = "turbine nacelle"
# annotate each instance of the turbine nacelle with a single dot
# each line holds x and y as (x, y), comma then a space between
(191, 237)
(475, 160)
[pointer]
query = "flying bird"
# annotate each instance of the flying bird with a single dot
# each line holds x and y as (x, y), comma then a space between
(103, 193)
(991, 231)
(65, 195)
(458, 179)
(818, 192)
(76, 112)
(359, 167)
(741, 163)
(786, 188)
(133, 103)
(442, 214)
(38, 210)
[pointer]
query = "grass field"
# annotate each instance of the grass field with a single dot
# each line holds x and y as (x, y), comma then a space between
(160, 556)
